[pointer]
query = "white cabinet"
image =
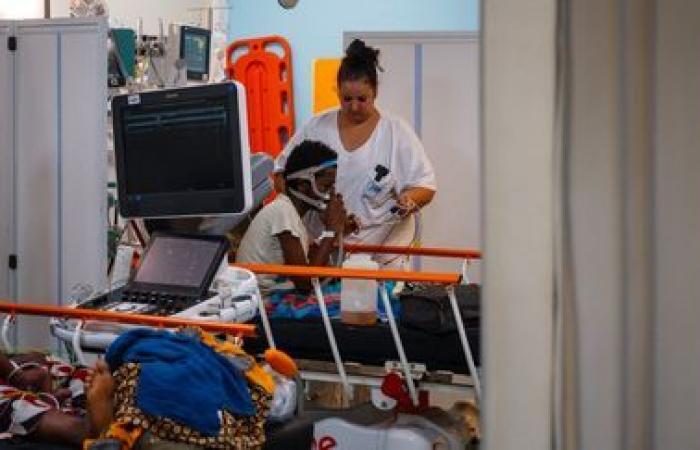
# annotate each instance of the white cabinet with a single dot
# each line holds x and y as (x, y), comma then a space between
(6, 159)
(53, 150)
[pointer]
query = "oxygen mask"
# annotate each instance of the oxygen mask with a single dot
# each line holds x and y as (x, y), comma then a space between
(309, 174)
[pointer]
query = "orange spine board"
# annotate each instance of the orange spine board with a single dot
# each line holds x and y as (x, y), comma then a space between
(268, 80)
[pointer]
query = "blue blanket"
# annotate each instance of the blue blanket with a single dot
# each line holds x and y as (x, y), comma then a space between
(181, 378)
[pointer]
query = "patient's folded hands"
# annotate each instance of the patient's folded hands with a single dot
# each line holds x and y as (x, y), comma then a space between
(334, 216)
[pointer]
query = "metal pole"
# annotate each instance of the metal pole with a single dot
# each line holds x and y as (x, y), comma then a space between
(399, 345)
(265, 321)
(331, 336)
(77, 347)
(465, 342)
(9, 319)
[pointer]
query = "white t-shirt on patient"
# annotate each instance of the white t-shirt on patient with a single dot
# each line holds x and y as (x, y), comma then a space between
(261, 244)
(394, 145)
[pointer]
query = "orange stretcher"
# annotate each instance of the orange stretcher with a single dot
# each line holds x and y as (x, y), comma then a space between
(267, 77)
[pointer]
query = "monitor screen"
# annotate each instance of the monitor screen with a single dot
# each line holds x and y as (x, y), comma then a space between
(180, 262)
(182, 152)
(177, 262)
(195, 46)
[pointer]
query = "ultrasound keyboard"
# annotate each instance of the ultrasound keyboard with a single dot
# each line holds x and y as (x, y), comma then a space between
(182, 276)
(145, 302)
(238, 304)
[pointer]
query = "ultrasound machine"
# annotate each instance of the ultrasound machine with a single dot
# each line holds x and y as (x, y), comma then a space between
(181, 153)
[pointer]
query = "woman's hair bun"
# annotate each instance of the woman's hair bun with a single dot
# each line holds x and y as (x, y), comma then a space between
(358, 49)
(360, 62)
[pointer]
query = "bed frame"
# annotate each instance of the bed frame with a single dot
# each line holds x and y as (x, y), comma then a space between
(448, 280)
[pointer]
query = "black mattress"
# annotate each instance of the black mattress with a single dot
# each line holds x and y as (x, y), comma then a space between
(371, 345)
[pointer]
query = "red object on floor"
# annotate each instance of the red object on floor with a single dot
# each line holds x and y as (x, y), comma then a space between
(267, 77)
(395, 387)
(392, 386)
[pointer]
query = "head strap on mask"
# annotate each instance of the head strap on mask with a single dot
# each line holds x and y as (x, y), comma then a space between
(309, 174)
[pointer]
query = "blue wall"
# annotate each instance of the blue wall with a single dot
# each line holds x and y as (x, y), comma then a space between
(314, 28)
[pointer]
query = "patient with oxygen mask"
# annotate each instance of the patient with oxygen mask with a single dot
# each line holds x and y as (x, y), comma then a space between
(277, 234)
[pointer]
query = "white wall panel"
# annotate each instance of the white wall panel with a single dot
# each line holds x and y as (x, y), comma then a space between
(432, 81)
(398, 79)
(6, 159)
(450, 133)
(37, 153)
(60, 148)
(83, 200)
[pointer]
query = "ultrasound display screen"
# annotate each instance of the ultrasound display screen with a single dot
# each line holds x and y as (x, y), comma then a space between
(182, 152)
(177, 261)
(190, 144)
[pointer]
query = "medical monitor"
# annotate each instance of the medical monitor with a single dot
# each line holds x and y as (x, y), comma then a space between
(182, 152)
(195, 47)
(180, 263)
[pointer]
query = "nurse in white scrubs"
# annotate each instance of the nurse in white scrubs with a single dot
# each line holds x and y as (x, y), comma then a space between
(383, 173)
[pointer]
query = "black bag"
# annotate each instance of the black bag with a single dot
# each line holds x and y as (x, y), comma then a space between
(427, 307)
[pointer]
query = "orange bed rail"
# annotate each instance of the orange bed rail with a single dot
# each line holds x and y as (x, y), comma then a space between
(127, 318)
(335, 272)
(424, 251)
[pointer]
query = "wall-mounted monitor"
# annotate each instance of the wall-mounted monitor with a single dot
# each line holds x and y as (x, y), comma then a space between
(195, 48)
(182, 152)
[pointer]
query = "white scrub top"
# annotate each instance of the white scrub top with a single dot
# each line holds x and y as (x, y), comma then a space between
(393, 145)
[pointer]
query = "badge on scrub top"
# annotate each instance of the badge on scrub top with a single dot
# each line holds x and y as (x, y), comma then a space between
(380, 187)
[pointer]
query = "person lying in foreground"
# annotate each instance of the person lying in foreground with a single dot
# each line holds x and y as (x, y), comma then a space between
(156, 389)
(44, 399)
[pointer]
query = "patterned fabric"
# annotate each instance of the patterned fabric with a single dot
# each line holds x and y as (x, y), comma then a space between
(284, 302)
(20, 411)
(254, 372)
(236, 433)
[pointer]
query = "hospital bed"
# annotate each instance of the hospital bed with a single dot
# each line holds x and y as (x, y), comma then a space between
(433, 359)
(422, 358)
